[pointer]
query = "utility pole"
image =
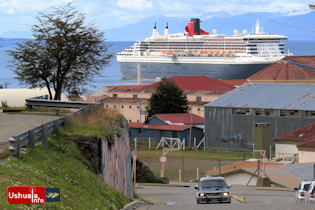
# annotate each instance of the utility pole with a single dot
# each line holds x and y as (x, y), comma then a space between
(190, 125)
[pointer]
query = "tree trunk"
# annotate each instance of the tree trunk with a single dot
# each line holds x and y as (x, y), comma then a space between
(48, 87)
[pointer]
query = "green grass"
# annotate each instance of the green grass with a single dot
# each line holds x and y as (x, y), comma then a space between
(60, 165)
(143, 152)
(5, 154)
(13, 108)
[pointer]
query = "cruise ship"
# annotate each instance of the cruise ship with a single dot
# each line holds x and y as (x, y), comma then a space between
(198, 53)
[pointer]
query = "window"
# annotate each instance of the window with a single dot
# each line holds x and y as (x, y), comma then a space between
(122, 106)
(137, 120)
(114, 95)
(174, 134)
(198, 109)
(137, 107)
(114, 106)
(129, 120)
(135, 96)
(162, 133)
(265, 112)
(289, 113)
(310, 113)
(106, 106)
(139, 132)
(129, 107)
(245, 111)
(198, 98)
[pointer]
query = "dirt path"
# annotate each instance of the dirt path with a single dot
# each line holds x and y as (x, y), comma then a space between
(172, 167)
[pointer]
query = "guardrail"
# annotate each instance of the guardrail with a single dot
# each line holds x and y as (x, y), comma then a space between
(42, 131)
(60, 104)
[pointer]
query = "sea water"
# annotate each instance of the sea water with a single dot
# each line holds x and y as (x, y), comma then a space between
(111, 75)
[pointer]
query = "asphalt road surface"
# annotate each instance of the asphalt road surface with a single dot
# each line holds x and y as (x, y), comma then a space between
(15, 124)
(185, 198)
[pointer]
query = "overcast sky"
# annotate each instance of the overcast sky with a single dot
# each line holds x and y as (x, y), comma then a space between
(19, 15)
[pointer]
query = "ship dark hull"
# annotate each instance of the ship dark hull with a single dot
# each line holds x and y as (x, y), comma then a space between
(128, 70)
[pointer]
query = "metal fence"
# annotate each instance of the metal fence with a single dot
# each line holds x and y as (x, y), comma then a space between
(42, 131)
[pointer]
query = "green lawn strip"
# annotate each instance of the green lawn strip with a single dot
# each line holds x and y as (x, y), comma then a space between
(201, 154)
(60, 165)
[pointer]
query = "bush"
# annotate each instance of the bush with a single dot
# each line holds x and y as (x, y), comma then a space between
(4, 104)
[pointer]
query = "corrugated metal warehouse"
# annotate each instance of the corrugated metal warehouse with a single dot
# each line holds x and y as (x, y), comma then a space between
(229, 120)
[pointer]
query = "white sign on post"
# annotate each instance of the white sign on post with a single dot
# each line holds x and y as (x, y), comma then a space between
(264, 160)
(163, 159)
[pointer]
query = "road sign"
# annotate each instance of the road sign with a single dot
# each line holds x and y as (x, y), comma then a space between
(134, 157)
(134, 151)
(163, 159)
(264, 160)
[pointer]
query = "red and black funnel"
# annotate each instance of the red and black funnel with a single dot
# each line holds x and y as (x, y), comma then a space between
(193, 28)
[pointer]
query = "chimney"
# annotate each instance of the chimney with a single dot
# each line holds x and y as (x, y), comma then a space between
(154, 30)
(166, 31)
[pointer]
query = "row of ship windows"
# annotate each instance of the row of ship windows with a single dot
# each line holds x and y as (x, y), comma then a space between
(270, 112)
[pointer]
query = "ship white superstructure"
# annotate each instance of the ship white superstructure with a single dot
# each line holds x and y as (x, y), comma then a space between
(198, 53)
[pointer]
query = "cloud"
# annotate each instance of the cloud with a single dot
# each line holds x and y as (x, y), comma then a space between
(136, 5)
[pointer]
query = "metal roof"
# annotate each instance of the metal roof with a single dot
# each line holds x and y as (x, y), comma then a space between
(269, 96)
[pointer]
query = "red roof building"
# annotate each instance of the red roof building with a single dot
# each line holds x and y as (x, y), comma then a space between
(183, 118)
(287, 73)
(197, 83)
(299, 143)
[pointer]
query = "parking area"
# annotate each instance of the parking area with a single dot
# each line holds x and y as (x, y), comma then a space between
(15, 124)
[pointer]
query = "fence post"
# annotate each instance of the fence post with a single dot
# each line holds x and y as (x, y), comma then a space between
(45, 135)
(56, 126)
(204, 143)
(149, 142)
(66, 121)
(194, 141)
(31, 139)
(180, 176)
(197, 174)
(135, 143)
(183, 143)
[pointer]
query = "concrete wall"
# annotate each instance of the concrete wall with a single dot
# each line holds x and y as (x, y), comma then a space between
(131, 111)
(235, 132)
(284, 150)
(116, 162)
(306, 157)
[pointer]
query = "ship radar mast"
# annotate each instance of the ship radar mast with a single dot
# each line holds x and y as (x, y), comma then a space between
(257, 26)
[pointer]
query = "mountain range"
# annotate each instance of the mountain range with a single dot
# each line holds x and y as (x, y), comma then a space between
(296, 25)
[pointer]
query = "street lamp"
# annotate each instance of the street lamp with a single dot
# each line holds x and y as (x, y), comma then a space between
(140, 105)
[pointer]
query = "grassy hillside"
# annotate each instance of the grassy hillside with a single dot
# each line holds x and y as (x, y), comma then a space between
(61, 165)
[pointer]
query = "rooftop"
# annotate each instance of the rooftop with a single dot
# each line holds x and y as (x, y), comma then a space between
(309, 144)
(196, 83)
(306, 133)
(180, 118)
(269, 96)
(287, 72)
(158, 126)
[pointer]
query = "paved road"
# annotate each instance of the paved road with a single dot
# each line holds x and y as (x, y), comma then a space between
(184, 198)
(15, 124)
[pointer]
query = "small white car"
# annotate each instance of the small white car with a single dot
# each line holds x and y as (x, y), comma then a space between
(213, 190)
(309, 195)
(301, 191)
